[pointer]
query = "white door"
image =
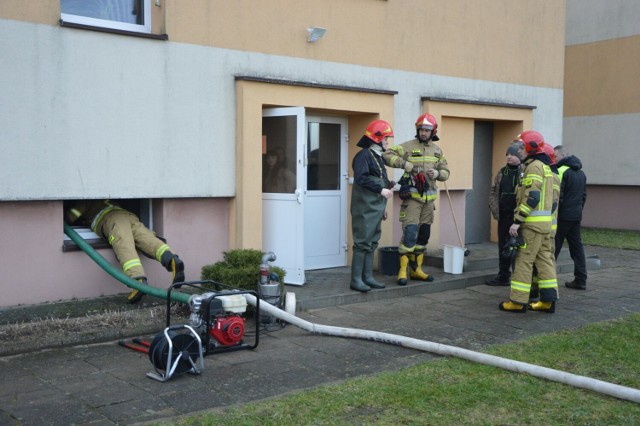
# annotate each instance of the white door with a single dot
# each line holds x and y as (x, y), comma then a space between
(283, 180)
(325, 195)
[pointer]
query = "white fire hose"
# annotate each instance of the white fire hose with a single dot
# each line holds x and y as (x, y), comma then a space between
(617, 391)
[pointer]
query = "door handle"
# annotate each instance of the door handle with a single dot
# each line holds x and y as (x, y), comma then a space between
(298, 196)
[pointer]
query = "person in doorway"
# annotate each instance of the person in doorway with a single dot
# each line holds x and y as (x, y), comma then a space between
(125, 233)
(573, 196)
(502, 203)
(275, 176)
(424, 164)
(369, 195)
(532, 222)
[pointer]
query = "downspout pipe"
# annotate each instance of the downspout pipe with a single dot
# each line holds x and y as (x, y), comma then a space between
(118, 274)
(617, 391)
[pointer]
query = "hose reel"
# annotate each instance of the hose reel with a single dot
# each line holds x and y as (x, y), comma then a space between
(177, 350)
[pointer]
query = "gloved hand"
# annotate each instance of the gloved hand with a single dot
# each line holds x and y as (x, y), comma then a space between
(408, 166)
(511, 246)
(405, 192)
(421, 183)
(406, 182)
(433, 173)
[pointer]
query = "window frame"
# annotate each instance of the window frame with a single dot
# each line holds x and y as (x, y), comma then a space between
(114, 25)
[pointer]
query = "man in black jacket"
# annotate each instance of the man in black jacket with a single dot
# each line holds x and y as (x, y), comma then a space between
(502, 203)
(573, 195)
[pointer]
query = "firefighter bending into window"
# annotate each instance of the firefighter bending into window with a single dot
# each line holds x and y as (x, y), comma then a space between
(125, 233)
(424, 164)
(532, 221)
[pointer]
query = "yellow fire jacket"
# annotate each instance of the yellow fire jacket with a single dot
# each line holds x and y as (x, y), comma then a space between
(534, 197)
(423, 156)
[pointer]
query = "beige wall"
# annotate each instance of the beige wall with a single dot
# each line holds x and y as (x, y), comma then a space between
(603, 78)
(40, 12)
(447, 37)
(360, 108)
(456, 130)
(456, 38)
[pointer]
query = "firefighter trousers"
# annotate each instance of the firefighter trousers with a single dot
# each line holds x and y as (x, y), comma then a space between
(538, 252)
(415, 217)
(126, 234)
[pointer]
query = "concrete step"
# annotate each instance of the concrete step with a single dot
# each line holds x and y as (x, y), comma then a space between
(330, 287)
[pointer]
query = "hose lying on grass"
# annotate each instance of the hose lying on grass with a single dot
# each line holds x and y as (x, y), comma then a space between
(617, 391)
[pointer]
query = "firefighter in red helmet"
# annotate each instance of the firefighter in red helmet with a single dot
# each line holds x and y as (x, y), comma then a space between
(548, 150)
(369, 195)
(424, 165)
(532, 221)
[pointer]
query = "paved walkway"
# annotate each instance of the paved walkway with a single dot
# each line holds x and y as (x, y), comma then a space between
(104, 384)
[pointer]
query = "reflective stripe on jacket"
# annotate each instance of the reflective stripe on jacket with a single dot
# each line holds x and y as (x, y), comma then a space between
(423, 156)
(535, 197)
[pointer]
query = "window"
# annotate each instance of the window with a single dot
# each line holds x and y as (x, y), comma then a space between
(127, 15)
(140, 207)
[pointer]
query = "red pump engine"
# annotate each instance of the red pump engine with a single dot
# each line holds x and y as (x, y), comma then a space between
(228, 330)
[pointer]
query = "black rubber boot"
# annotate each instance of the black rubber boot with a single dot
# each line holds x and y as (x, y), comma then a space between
(367, 272)
(357, 265)
(174, 265)
(499, 281)
(575, 285)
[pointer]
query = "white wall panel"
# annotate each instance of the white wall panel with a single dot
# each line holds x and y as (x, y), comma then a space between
(87, 114)
(596, 20)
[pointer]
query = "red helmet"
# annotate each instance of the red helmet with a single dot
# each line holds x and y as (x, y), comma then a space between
(378, 130)
(548, 149)
(533, 142)
(427, 121)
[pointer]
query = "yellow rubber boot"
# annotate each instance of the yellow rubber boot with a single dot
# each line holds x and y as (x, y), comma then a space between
(512, 307)
(136, 295)
(402, 273)
(548, 307)
(416, 268)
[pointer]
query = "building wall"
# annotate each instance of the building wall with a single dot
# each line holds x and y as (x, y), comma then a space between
(88, 114)
(37, 270)
(602, 105)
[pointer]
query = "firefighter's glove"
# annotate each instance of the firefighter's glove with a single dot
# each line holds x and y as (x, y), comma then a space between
(421, 183)
(405, 192)
(408, 166)
(511, 247)
(406, 182)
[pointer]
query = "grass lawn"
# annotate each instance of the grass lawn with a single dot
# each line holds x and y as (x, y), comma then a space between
(611, 238)
(453, 391)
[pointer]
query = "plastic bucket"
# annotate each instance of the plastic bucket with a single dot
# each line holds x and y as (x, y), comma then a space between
(389, 260)
(453, 259)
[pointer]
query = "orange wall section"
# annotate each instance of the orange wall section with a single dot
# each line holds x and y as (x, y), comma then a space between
(457, 38)
(589, 88)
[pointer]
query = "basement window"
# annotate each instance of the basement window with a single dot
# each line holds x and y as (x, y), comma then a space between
(124, 15)
(140, 207)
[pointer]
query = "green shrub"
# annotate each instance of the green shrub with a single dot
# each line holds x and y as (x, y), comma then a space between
(239, 269)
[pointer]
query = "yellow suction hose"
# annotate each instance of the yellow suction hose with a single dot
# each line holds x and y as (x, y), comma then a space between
(118, 274)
